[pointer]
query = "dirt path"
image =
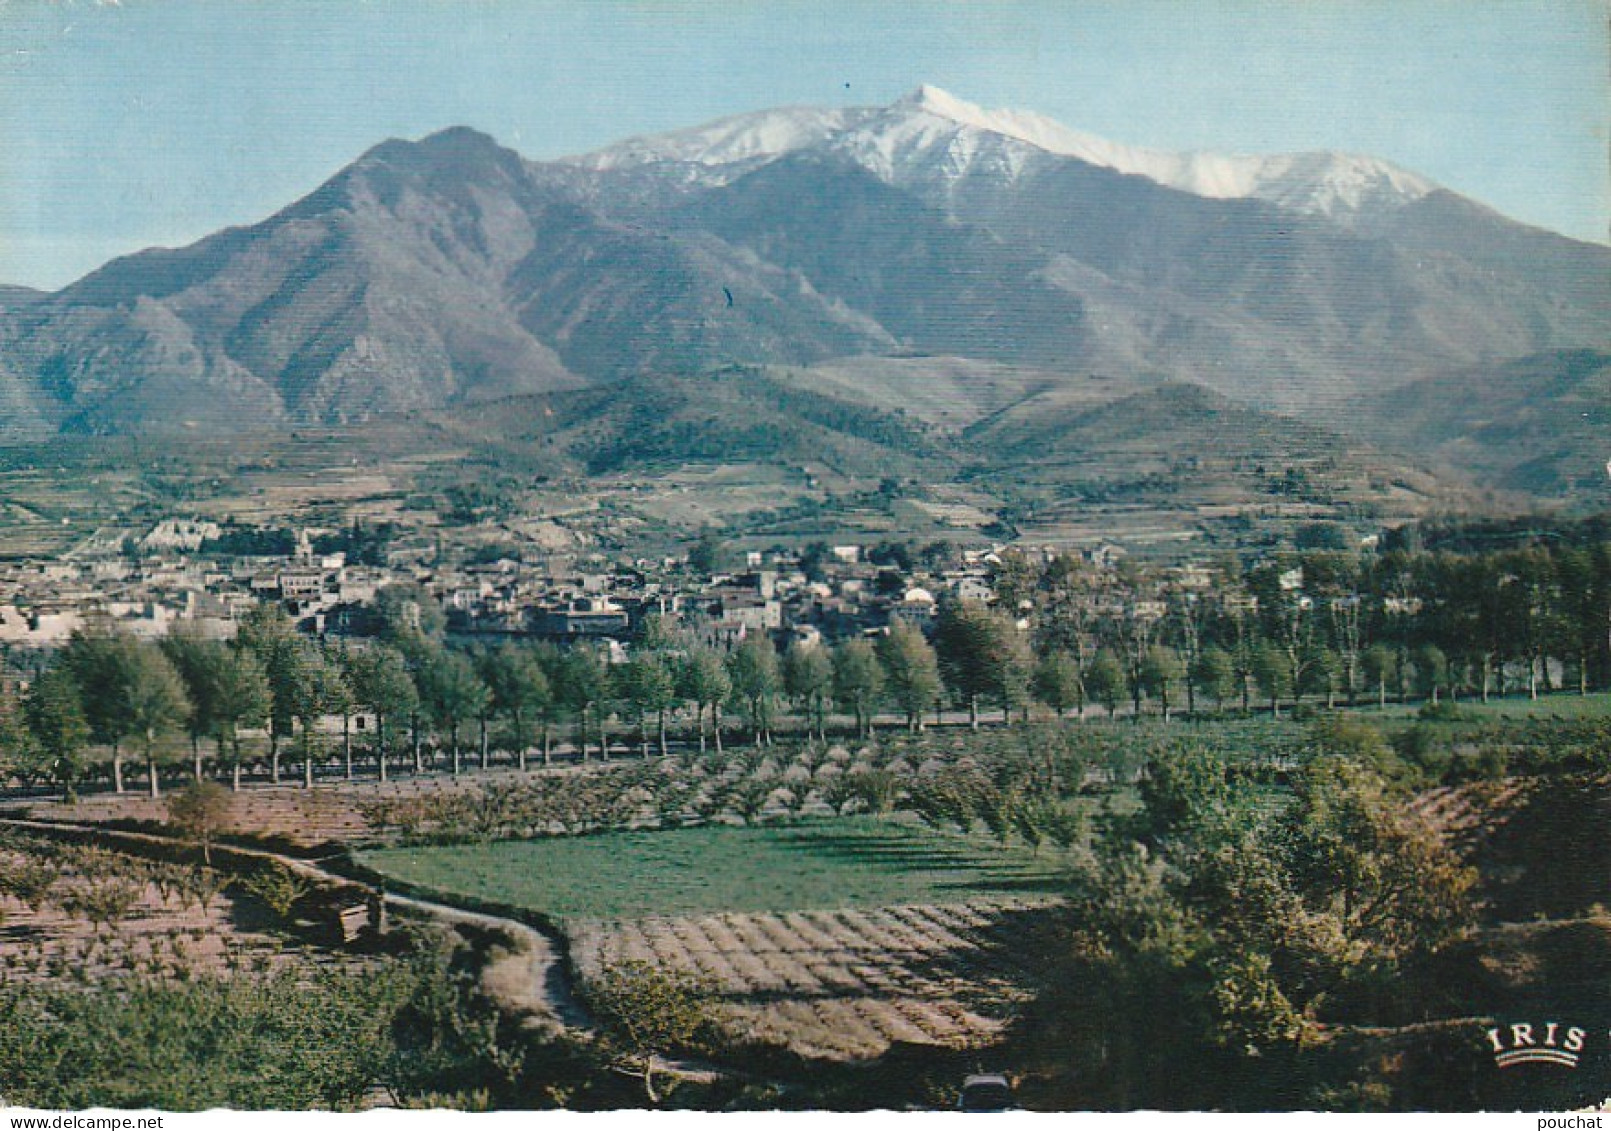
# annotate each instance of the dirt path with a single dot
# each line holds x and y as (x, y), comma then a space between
(527, 978)
(524, 973)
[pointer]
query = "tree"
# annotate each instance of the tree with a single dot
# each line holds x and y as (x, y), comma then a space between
(55, 719)
(858, 680)
(1431, 670)
(1245, 644)
(584, 684)
(808, 680)
(753, 668)
(1106, 681)
(551, 662)
(241, 697)
(1012, 667)
(649, 1009)
(1584, 607)
(409, 615)
(982, 654)
(1189, 612)
(1272, 671)
(1379, 663)
(19, 754)
(196, 660)
(270, 636)
(1161, 673)
(100, 662)
(199, 811)
(814, 559)
(1376, 866)
(708, 554)
(1284, 617)
(452, 694)
(1015, 578)
(1478, 587)
(962, 641)
(1133, 641)
(317, 689)
(1059, 683)
(519, 690)
(1061, 622)
(1249, 921)
(278, 887)
(380, 680)
(704, 682)
(1215, 675)
(1322, 674)
(339, 699)
(154, 704)
(661, 632)
(1348, 634)
(1184, 788)
(650, 686)
(911, 671)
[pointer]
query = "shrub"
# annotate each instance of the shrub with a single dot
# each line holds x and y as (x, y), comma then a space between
(1442, 712)
(278, 887)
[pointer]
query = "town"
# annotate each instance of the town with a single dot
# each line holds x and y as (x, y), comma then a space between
(604, 557)
(1057, 630)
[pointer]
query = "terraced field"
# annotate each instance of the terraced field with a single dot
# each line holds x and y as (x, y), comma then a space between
(847, 984)
(834, 938)
(330, 811)
(301, 817)
(84, 916)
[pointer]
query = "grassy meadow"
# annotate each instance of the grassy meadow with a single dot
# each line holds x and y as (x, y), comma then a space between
(848, 862)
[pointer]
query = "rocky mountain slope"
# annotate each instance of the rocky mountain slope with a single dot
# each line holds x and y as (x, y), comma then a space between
(891, 247)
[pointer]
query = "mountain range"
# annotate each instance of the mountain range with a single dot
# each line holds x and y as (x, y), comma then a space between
(955, 267)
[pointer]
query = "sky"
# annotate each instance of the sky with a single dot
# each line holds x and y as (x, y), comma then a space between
(140, 123)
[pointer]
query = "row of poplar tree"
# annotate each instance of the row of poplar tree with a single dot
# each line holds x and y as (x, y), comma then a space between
(425, 702)
(1335, 626)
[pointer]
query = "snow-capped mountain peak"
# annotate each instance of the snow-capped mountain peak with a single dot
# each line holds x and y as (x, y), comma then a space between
(744, 138)
(931, 134)
(1326, 182)
(1021, 125)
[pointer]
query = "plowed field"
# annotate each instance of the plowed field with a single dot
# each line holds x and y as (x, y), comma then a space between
(847, 984)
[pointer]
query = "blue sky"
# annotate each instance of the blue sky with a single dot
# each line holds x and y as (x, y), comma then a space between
(125, 125)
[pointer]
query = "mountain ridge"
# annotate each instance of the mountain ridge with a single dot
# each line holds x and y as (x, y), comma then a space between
(439, 274)
(1330, 182)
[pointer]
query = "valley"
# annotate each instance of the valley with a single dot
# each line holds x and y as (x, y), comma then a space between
(792, 611)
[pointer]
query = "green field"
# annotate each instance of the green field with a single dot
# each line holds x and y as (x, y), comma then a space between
(854, 862)
(1558, 705)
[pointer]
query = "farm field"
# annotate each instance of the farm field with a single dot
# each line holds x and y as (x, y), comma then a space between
(298, 817)
(835, 939)
(1558, 705)
(82, 916)
(847, 984)
(853, 862)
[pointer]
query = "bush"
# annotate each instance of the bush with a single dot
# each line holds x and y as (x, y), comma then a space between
(278, 887)
(648, 1010)
(302, 1036)
(200, 811)
(1442, 712)
(1425, 754)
